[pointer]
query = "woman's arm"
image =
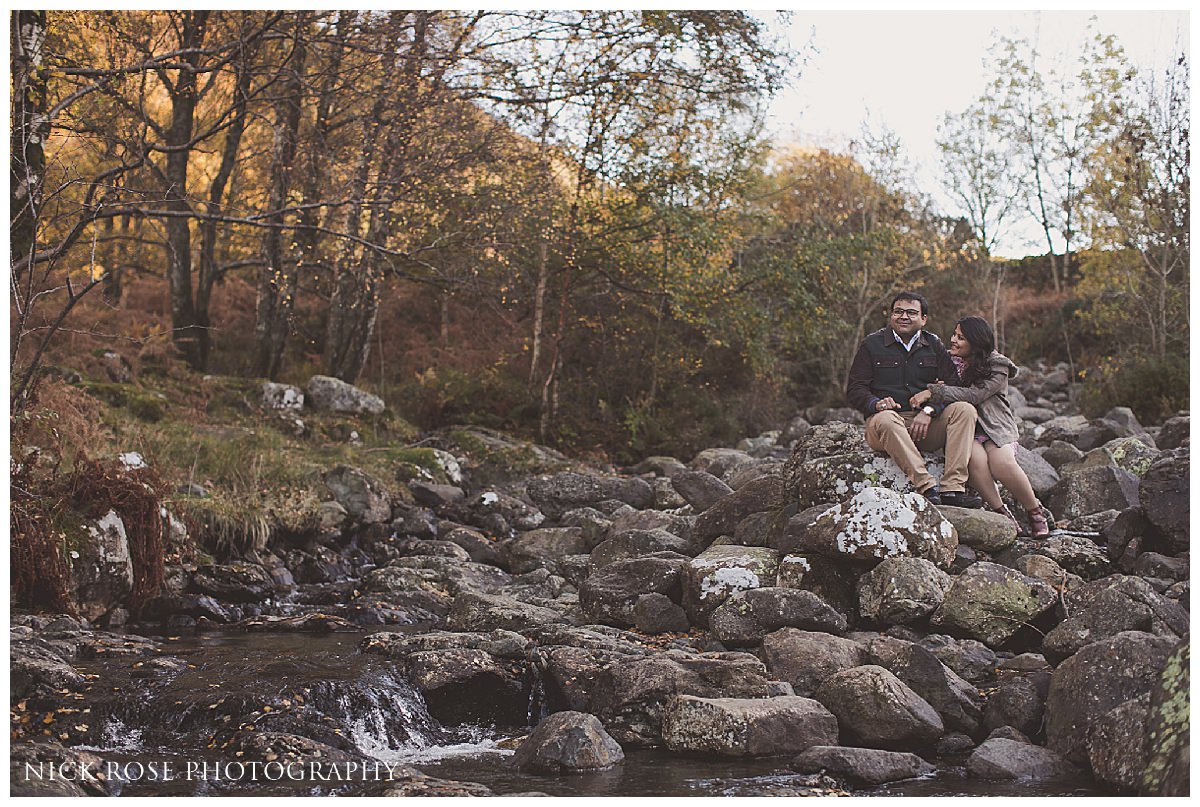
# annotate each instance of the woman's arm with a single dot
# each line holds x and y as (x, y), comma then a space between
(976, 394)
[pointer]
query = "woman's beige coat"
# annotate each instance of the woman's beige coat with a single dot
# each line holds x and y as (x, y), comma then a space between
(990, 397)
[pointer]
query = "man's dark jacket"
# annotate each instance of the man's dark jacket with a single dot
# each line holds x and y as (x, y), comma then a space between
(883, 368)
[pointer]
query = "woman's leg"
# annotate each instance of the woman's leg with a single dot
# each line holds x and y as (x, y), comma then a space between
(980, 478)
(1002, 463)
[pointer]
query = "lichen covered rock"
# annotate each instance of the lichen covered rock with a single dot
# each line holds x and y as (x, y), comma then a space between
(717, 572)
(838, 477)
(877, 523)
(742, 727)
(990, 603)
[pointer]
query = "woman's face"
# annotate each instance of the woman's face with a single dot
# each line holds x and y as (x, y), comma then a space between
(959, 346)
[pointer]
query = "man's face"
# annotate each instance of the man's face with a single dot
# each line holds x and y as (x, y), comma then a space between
(907, 318)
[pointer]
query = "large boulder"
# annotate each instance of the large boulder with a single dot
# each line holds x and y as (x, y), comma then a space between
(806, 659)
(981, 529)
(498, 513)
(49, 769)
(1077, 430)
(747, 616)
(609, 595)
(1000, 758)
(971, 659)
(901, 590)
(1168, 734)
(834, 478)
(721, 461)
(722, 516)
(437, 496)
(470, 685)
(830, 580)
(1127, 453)
(876, 709)
(566, 742)
(1076, 554)
(636, 543)
(867, 766)
(1168, 617)
(1175, 432)
(569, 673)
(365, 498)
(1125, 424)
(234, 582)
(877, 523)
(328, 394)
(1018, 702)
(1043, 475)
(557, 493)
(36, 669)
(1059, 453)
(827, 439)
(474, 611)
(717, 572)
(744, 727)
(541, 548)
(1097, 679)
(1116, 744)
(956, 702)
(284, 397)
(101, 568)
(658, 466)
(657, 613)
(627, 519)
(990, 602)
(488, 457)
(630, 695)
(1090, 490)
(1110, 612)
(1164, 496)
(797, 526)
(700, 489)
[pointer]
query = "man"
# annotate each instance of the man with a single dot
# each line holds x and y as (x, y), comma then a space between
(891, 366)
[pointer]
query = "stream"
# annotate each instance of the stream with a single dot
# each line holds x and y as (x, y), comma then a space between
(164, 725)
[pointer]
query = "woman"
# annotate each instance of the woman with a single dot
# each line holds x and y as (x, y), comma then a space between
(983, 381)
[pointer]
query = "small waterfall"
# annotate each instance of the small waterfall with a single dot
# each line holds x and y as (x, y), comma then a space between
(387, 719)
(314, 687)
(380, 710)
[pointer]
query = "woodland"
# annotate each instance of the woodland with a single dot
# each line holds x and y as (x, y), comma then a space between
(323, 322)
(566, 225)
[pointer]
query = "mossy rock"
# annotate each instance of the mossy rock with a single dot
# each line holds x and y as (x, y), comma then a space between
(231, 394)
(143, 404)
(418, 463)
(496, 458)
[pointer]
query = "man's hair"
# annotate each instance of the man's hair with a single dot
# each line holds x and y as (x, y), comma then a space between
(916, 298)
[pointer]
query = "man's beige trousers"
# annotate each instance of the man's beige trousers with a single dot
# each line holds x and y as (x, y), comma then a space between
(954, 430)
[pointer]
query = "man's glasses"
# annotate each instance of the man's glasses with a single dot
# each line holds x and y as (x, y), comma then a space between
(911, 313)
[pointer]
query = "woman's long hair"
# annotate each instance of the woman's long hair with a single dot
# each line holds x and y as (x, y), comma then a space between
(982, 339)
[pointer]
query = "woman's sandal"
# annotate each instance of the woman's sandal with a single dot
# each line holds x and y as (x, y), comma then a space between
(1037, 520)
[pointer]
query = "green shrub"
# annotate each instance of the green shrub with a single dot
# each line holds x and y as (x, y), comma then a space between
(1153, 387)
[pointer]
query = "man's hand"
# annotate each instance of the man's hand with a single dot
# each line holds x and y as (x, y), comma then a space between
(919, 427)
(886, 404)
(920, 398)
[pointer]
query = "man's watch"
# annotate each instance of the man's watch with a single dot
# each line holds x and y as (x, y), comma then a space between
(929, 410)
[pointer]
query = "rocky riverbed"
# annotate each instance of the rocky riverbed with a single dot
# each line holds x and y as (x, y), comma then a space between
(783, 611)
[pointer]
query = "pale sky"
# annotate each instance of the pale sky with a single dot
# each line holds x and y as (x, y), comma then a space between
(906, 69)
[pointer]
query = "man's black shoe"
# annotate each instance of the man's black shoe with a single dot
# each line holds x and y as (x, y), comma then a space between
(958, 498)
(933, 495)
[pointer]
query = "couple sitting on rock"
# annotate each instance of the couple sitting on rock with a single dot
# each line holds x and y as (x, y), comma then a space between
(917, 395)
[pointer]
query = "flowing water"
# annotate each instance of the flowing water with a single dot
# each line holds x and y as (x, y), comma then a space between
(163, 727)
